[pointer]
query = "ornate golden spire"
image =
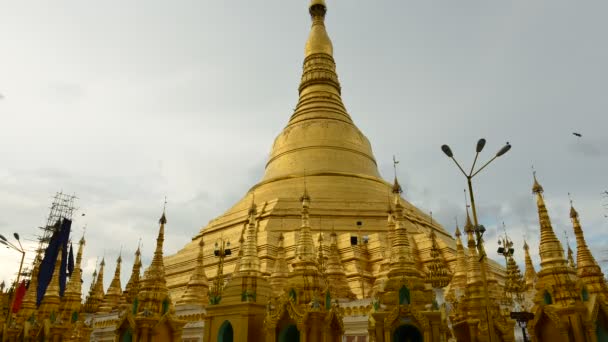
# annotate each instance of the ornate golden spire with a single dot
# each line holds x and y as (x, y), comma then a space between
(72, 298)
(438, 273)
(318, 41)
(133, 284)
(250, 262)
(459, 280)
(154, 294)
(550, 249)
(587, 268)
(514, 281)
(334, 271)
(555, 278)
(278, 278)
(305, 249)
(321, 258)
(571, 257)
(28, 306)
(320, 135)
(197, 291)
(96, 293)
(305, 279)
(113, 297)
(51, 300)
(530, 272)
(402, 262)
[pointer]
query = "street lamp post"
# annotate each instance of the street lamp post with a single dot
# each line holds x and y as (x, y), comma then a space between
(222, 250)
(8, 244)
(479, 229)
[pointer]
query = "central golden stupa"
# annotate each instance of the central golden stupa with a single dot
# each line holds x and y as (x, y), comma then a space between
(320, 149)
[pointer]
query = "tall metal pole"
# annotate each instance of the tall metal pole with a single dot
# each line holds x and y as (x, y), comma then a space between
(482, 255)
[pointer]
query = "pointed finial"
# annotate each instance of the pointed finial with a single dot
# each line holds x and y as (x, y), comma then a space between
(457, 232)
(318, 41)
(163, 218)
(536, 188)
(305, 196)
(396, 186)
(573, 212)
(252, 210)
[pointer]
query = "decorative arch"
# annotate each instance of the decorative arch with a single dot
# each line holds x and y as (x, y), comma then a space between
(225, 333)
(547, 299)
(126, 329)
(405, 315)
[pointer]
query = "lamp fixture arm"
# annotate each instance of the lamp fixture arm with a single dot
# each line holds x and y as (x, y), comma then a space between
(460, 167)
(484, 166)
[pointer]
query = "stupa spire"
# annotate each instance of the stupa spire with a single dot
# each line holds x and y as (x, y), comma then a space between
(51, 300)
(305, 249)
(154, 294)
(587, 267)
(556, 280)
(113, 296)
(459, 280)
(250, 262)
(550, 249)
(28, 306)
(438, 273)
(197, 290)
(402, 261)
(334, 271)
(320, 136)
(73, 294)
(319, 48)
(530, 272)
(133, 284)
(97, 292)
(278, 278)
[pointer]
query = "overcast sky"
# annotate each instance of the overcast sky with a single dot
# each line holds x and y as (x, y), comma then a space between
(124, 102)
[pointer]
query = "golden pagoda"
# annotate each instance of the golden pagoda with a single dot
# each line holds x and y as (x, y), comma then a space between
(559, 312)
(322, 144)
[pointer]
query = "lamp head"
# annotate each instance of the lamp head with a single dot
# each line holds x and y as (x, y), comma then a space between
(446, 149)
(4, 243)
(16, 235)
(480, 145)
(2, 238)
(503, 150)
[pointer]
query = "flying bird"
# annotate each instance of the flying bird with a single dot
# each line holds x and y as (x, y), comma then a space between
(577, 134)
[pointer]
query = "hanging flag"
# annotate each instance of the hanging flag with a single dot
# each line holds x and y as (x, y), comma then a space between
(19, 294)
(48, 264)
(71, 261)
(63, 270)
(59, 239)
